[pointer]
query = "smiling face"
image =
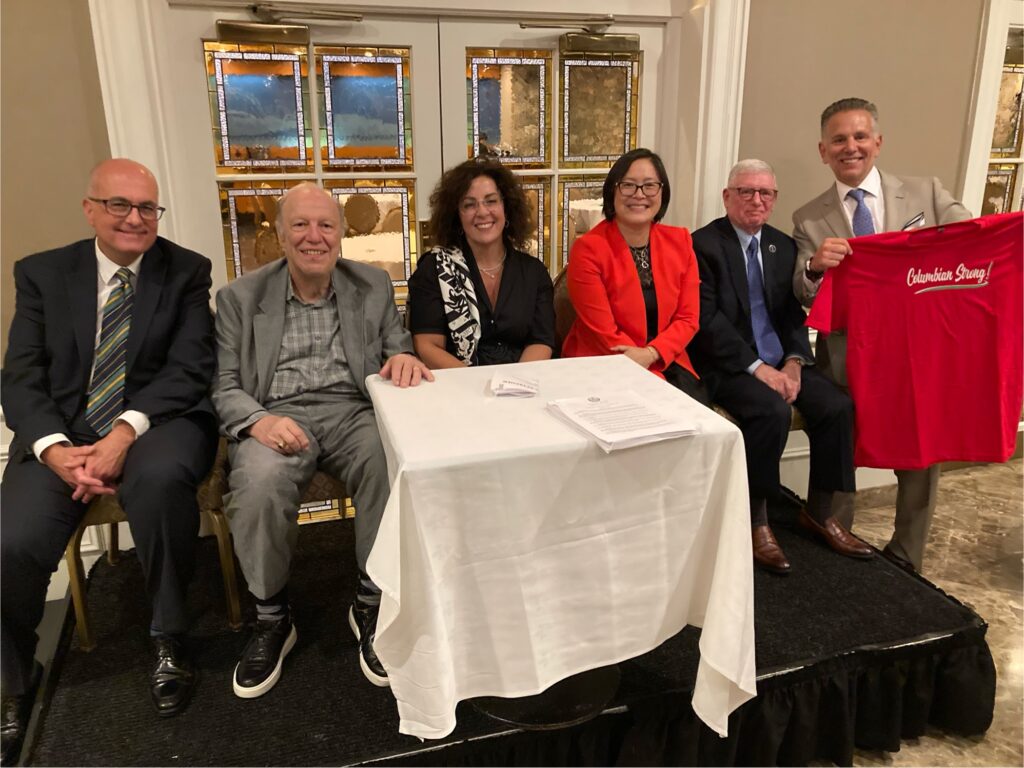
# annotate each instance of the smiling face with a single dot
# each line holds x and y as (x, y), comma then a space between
(636, 210)
(121, 238)
(849, 145)
(482, 213)
(749, 215)
(310, 233)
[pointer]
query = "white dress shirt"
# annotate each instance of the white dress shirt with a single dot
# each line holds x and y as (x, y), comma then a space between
(106, 281)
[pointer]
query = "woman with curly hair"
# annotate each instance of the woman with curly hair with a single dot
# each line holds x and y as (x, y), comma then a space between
(477, 298)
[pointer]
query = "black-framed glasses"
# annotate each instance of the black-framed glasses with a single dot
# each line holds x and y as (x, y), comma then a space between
(747, 193)
(648, 188)
(118, 206)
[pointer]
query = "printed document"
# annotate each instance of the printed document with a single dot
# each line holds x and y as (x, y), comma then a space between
(621, 420)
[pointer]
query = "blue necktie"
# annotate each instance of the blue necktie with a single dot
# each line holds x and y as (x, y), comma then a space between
(769, 348)
(862, 222)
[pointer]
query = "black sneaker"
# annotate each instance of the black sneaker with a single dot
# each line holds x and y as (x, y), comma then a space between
(259, 669)
(363, 620)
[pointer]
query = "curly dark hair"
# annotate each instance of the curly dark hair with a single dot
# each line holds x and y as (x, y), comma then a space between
(621, 168)
(444, 203)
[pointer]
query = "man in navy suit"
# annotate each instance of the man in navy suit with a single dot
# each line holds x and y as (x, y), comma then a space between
(105, 386)
(752, 351)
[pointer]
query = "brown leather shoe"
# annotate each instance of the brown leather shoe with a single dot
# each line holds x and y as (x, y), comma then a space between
(767, 552)
(837, 537)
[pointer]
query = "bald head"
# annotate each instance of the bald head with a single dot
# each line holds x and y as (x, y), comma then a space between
(117, 169)
(300, 196)
(115, 186)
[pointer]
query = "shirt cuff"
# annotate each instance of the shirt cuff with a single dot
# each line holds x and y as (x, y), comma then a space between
(754, 366)
(43, 443)
(137, 420)
(810, 286)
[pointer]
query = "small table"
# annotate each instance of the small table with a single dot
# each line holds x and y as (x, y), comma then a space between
(514, 552)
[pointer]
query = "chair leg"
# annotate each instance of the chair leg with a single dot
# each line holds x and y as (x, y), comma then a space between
(227, 566)
(113, 547)
(76, 575)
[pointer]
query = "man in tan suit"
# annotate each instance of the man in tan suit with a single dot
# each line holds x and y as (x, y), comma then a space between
(864, 201)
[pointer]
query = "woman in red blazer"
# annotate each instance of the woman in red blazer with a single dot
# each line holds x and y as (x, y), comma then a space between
(633, 282)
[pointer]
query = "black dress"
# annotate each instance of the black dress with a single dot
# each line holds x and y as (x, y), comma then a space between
(524, 313)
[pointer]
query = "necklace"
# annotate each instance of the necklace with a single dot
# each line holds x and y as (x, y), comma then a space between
(493, 271)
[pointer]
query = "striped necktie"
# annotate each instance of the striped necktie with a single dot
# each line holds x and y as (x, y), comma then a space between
(862, 222)
(106, 393)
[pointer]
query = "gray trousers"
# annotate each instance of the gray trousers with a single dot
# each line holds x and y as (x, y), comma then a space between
(266, 486)
(916, 494)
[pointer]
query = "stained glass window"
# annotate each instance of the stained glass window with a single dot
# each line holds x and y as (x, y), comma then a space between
(259, 101)
(249, 213)
(365, 107)
(579, 209)
(599, 97)
(379, 230)
(1003, 184)
(538, 193)
(508, 98)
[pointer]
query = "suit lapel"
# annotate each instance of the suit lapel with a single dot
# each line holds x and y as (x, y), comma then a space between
(895, 198)
(80, 279)
(834, 216)
(268, 330)
(148, 288)
(350, 313)
(736, 261)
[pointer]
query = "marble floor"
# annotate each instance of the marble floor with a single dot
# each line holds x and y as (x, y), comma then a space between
(975, 554)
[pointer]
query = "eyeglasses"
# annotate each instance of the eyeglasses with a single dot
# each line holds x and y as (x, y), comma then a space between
(469, 205)
(747, 193)
(648, 188)
(118, 206)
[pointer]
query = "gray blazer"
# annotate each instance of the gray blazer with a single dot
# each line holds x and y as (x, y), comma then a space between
(905, 197)
(250, 324)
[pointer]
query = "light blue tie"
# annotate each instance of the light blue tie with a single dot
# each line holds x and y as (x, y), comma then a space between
(769, 348)
(862, 221)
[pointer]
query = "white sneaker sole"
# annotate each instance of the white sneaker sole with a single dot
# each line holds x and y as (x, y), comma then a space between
(380, 682)
(258, 690)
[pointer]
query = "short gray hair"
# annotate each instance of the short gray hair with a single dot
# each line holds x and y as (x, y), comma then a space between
(751, 165)
(849, 105)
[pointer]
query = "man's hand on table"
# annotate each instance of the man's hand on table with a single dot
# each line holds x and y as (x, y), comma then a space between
(404, 370)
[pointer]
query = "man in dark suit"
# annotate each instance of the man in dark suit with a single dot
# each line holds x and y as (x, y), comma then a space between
(296, 340)
(751, 352)
(105, 387)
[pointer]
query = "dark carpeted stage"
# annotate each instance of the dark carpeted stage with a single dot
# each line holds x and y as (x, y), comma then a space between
(848, 653)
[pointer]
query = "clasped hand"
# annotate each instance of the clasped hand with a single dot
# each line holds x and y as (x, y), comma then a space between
(786, 382)
(92, 470)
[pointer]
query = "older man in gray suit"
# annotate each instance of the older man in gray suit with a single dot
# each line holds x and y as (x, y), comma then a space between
(864, 201)
(296, 340)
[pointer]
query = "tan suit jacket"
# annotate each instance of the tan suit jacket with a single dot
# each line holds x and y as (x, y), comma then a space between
(905, 197)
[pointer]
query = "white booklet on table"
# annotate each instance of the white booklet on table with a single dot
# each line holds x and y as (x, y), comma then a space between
(621, 420)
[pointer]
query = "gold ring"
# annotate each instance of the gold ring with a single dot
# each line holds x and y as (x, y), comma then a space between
(280, 444)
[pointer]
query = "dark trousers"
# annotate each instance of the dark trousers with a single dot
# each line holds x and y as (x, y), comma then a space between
(686, 382)
(38, 517)
(764, 418)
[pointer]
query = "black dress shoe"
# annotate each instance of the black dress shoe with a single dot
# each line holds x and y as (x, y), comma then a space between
(836, 536)
(16, 713)
(174, 676)
(898, 561)
(259, 669)
(362, 618)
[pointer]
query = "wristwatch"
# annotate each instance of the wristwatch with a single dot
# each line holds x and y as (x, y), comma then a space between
(812, 275)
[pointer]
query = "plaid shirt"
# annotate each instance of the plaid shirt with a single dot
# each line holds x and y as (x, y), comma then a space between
(312, 357)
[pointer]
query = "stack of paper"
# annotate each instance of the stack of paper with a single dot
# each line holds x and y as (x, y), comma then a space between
(513, 386)
(621, 420)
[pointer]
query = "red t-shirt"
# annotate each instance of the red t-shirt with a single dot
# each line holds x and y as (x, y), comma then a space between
(934, 340)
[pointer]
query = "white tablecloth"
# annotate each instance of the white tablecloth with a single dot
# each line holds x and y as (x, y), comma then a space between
(514, 552)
